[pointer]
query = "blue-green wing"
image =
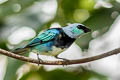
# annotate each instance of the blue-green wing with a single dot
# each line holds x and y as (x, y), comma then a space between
(44, 37)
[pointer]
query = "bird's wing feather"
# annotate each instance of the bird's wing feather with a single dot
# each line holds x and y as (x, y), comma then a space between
(44, 37)
(35, 41)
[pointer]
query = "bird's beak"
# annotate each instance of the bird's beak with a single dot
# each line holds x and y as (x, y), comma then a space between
(87, 30)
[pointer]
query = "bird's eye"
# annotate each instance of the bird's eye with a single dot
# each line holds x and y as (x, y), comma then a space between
(85, 29)
(79, 26)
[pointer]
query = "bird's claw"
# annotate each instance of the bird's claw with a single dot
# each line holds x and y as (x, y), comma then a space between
(66, 61)
(40, 60)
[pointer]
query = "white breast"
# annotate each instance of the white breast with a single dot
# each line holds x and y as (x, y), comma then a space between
(55, 51)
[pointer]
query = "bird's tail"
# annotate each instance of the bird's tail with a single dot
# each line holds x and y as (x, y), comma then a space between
(20, 50)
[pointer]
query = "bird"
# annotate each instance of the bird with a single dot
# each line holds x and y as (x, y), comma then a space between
(54, 41)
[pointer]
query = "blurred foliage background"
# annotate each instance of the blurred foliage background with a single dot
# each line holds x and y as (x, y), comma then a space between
(22, 20)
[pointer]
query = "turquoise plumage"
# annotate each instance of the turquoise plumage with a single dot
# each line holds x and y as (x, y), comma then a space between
(44, 37)
(55, 40)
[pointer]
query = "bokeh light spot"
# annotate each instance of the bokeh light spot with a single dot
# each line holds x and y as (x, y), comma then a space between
(24, 33)
(114, 14)
(16, 7)
(3, 1)
(87, 4)
(55, 25)
(80, 15)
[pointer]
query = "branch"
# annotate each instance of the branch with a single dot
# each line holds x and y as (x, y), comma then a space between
(77, 61)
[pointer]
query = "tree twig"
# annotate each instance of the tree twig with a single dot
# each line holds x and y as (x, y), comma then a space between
(77, 61)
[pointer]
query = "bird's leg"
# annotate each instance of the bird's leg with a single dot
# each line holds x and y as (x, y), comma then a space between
(66, 60)
(39, 59)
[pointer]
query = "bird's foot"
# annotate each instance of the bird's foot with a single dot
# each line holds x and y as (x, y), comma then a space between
(40, 60)
(66, 61)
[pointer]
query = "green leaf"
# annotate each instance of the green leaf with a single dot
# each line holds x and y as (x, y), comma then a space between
(13, 65)
(60, 74)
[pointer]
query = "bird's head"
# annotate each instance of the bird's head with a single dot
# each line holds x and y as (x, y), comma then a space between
(75, 30)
